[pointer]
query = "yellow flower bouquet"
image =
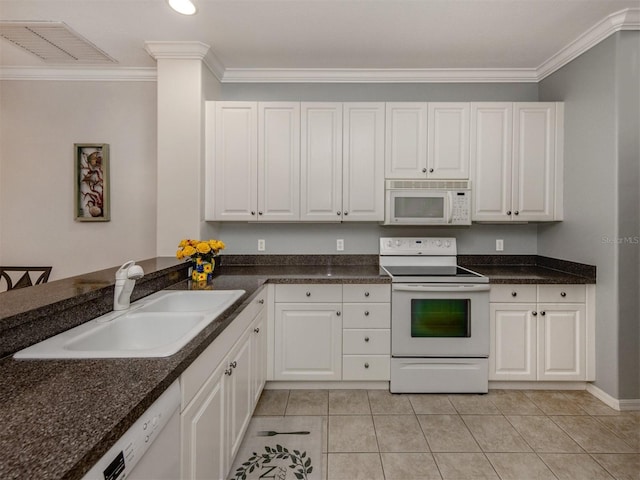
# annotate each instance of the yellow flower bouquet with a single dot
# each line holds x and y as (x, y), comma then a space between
(201, 253)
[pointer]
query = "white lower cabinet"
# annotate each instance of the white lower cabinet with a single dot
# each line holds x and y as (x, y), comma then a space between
(531, 340)
(219, 391)
(332, 332)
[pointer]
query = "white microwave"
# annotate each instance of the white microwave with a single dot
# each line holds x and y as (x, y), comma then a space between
(427, 202)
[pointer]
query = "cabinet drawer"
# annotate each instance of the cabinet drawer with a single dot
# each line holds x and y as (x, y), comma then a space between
(366, 293)
(308, 293)
(366, 367)
(561, 293)
(366, 342)
(363, 315)
(512, 293)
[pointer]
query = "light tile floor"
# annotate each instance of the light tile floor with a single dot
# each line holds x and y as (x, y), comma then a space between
(506, 434)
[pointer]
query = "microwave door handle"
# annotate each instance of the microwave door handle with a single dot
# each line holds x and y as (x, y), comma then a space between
(441, 288)
(449, 207)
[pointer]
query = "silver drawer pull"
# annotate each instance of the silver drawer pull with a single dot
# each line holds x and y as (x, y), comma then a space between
(366, 313)
(366, 339)
(256, 330)
(366, 365)
(338, 313)
(366, 294)
(514, 294)
(543, 313)
(563, 294)
(534, 313)
(228, 372)
(308, 294)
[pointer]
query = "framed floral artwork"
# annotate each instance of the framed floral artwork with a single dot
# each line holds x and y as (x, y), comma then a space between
(92, 182)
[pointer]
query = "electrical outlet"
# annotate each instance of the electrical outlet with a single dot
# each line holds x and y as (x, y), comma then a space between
(261, 245)
(340, 244)
(499, 245)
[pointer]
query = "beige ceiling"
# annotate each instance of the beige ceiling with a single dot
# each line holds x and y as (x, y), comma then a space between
(326, 34)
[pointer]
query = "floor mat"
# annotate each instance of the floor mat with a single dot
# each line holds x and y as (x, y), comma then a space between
(280, 448)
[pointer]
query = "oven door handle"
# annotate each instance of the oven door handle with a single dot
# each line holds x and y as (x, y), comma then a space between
(441, 288)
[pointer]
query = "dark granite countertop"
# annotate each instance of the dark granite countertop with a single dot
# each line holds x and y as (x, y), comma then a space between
(60, 416)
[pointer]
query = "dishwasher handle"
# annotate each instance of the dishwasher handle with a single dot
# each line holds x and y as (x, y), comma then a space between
(442, 288)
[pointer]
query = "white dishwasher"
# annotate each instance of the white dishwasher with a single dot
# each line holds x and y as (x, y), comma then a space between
(150, 449)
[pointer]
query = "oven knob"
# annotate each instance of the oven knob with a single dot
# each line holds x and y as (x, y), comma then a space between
(398, 243)
(447, 244)
(438, 243)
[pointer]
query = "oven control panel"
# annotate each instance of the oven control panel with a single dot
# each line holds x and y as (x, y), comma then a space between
(418, 246)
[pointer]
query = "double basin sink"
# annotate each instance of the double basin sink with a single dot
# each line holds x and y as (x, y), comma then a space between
(156, 326)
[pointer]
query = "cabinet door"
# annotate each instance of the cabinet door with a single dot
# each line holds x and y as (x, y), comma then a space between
(406, 140)
(561, 342)
(448, 141)
(205, 452)
(278, 161)
(308, 341)
(491, 160)
(534, 161)
(512, 353)
(258, 355)
(321, 162)
(239, 397)
(235, 161)
(363, 162)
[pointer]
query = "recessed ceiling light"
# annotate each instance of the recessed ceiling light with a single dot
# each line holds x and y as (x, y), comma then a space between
(185, 7)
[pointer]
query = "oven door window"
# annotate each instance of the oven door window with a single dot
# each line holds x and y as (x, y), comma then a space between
(440, 318)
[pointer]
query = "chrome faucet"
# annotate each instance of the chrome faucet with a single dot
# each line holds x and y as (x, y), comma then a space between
(126, 277)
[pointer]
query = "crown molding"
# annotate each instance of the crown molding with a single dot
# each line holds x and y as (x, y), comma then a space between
(628, 19)
(83, 74)
(381, 75)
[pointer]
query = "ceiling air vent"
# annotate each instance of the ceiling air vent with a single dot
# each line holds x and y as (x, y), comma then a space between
(53, 42)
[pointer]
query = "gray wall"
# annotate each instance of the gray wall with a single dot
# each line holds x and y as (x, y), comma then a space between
(600, 157)
(362, 238)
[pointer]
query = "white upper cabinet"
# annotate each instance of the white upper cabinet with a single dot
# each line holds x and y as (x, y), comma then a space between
(516, 161)
(321, 162)
(232, 166)
(278, 161)
(363, 162)
(534, 148)
(491, 154)
(448, 141)
(406, 140)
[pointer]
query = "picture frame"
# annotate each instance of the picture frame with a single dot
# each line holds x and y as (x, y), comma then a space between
(92, 202)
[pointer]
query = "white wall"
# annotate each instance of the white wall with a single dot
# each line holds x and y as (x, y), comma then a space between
(39, 123)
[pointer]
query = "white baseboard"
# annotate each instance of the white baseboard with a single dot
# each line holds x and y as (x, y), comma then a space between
(533, 385)
(620, 405)
(337, 385)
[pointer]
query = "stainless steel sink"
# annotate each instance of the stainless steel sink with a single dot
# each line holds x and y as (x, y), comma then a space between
(156, 326)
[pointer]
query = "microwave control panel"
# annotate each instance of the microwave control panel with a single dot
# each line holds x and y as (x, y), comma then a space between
(460, 206)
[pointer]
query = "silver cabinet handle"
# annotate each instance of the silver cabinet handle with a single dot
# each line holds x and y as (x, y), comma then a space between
(366, 313)
(259, 213)
(308, 294)
(338, 213)
(514, 294)
(431, 170)
(253, 212)
(366, 294)
(543, 313)
(508, 212)
(233, 364)
(424, 170)
(228, 372)
(256, 330)
(516, 212)
(338, 313)
(366, 365)
(366, 339)
(534, 313)
(346, 213)
(261, 301)
(563, 294)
